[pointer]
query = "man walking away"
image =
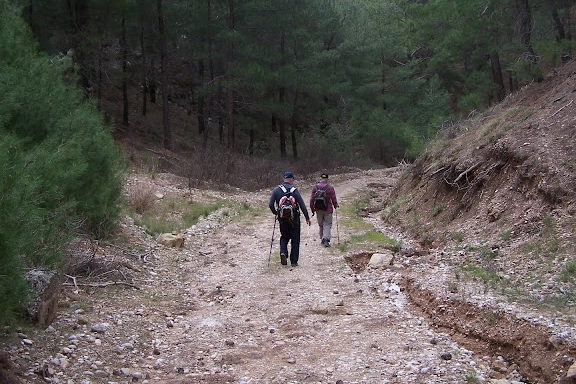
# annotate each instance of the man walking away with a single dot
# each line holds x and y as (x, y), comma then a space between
(323, 202)
(286, 203)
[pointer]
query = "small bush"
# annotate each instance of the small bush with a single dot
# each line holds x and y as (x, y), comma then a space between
(568, 271)
(481, 274)
(457, 236)
(471, 378)
(141, 198)
(437, 209)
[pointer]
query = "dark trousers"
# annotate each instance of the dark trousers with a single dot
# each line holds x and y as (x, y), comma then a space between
(290, 232)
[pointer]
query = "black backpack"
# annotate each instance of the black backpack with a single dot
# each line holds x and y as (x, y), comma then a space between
(287, 207)
(320, 200)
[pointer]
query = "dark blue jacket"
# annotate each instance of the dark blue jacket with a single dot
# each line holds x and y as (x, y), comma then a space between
(277, 194)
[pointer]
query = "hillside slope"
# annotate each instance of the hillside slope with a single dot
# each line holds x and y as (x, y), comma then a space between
(505, 183)
(494, 199)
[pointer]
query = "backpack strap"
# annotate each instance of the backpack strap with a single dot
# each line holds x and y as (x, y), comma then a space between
(291, 191)
(283, 188)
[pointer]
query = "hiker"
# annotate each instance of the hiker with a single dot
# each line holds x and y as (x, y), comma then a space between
(323, 202)
(290, 222)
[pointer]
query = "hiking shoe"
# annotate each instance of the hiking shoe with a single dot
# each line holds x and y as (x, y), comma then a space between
(327, 243)
(294, 264)
(323, 242)
(283, 259)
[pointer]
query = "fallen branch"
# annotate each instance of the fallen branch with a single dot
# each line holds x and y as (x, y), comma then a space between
(163, 153)
(437, 171)
(102, 285)
(141, 257)
(460, 176)
(567, 105)
(73, 278)
(130, 266)
(428, 168)
(495, 165)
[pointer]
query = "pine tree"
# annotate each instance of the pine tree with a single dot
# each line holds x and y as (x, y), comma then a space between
(61, 171)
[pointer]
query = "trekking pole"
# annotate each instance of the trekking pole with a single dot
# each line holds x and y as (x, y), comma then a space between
(337, 230)
(272, 242)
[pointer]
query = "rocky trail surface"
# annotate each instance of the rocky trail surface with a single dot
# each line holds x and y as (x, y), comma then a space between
(222, 309)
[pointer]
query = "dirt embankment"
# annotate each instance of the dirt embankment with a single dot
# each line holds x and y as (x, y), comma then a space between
(494, 199)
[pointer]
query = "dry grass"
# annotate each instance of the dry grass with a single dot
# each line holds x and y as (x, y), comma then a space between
(141, 197)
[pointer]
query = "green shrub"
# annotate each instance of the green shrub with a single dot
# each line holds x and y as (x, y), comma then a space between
(61, 171)
(457, 236)
(568, 271)
(480, 273)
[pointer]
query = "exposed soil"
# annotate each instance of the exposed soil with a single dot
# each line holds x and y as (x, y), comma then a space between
(498, 196)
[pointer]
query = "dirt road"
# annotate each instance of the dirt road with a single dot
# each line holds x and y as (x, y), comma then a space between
(217, 311)
(248, 321)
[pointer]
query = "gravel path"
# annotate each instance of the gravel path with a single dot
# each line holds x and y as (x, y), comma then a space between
(217, 311)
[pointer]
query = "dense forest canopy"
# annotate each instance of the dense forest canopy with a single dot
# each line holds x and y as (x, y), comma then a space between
(380, 76)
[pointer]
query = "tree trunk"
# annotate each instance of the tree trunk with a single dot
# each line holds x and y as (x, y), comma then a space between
(524, 17)
(29, 11)
(229, 91)
(230, 109)
(164, 79)
(124, 72)
(201, 100)
(79, 18)
(382, 81)
(214, 101)
(293, 127)
(282, 125)
(221, 128)
(561, 34)
(497, 75)
(144, 69)
(512, 82)
(560, 31)
(281, 92)
(152, 82)
(99, 94)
